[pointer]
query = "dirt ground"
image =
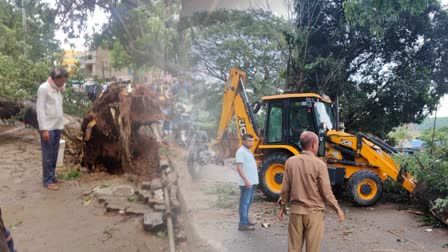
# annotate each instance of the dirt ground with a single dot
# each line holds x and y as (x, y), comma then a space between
(212, 204)
(43, 220)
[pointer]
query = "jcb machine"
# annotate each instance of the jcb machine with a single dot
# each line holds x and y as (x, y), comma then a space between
(362, 160)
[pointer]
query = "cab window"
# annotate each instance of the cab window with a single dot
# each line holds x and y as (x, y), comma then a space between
(275, 123)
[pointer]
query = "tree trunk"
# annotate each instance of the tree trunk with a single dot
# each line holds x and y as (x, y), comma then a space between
(118, 132)
(24, 110)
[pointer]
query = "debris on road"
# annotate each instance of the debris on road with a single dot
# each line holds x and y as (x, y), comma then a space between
(404, 238)
(428, 196)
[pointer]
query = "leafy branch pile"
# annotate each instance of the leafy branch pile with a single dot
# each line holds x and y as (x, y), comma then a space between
(26, 53)
(431, 172)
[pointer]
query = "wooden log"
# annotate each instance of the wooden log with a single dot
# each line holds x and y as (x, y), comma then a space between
(23, 110)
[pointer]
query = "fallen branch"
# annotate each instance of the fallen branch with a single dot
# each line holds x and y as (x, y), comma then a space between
(23, 110)
(416, 212)
(404, 238)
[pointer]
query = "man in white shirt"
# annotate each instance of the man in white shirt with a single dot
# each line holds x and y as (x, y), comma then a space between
(247, 169)
(50, 116)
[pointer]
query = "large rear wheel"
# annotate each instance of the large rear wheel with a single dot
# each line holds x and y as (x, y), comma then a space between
(271, 174)
(365, 188)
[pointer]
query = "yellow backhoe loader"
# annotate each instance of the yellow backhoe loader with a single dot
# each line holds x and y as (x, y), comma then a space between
(362, 161)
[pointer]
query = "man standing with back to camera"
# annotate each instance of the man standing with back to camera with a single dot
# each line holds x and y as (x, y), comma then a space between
(50, 116)
(306, 185)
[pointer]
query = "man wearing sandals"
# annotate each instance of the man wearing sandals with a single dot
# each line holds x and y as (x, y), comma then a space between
(50, 116)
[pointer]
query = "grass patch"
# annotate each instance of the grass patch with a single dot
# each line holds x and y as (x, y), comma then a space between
(106, 185)
(227, 195)
(132, 199)
(163, 151)
(69, 175)
(271, 211)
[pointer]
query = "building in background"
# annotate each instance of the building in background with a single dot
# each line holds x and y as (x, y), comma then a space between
(97, 63)
(71, 58)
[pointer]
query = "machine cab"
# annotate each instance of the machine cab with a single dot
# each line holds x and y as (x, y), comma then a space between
(289, 115)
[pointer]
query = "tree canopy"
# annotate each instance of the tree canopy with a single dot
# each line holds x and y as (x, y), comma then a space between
(382, 81)
(146, 30)
(26, 55)
(387, 61)
(249, 40)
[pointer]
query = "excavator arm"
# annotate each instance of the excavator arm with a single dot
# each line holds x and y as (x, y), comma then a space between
(235, 102)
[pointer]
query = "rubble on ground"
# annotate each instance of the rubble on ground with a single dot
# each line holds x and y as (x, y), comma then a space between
(148, 201)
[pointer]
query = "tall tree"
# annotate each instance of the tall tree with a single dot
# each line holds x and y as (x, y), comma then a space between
(310, 57)
(146, 30)
(383, 81)
(26, 57)
(249, 40)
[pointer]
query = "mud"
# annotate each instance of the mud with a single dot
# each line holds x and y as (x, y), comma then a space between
(54, 221)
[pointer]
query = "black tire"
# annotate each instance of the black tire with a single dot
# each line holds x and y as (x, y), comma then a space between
(269, 181)
(365, 188)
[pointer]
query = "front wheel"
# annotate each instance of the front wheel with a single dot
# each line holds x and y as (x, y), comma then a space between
(271, 174)
(365, 188)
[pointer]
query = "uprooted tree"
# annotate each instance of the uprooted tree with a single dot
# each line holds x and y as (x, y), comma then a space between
(120, 132)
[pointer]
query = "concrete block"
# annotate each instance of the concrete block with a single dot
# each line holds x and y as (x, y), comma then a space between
(136, 210)
(123, 191)
(156, 184)
(153, 221)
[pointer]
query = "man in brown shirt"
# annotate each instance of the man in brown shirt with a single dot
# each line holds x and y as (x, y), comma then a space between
(306, 185)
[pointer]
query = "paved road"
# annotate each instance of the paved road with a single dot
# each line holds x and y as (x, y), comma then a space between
(212, 204)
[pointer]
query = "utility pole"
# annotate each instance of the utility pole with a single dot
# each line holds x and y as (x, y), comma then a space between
(23, 16)
(434, 130)
(22, 3)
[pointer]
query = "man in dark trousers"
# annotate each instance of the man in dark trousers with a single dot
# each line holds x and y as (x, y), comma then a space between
(50, 116)
(247, 169)
(306, 185)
